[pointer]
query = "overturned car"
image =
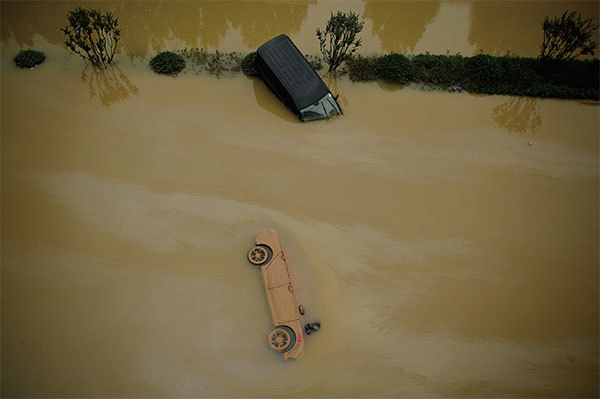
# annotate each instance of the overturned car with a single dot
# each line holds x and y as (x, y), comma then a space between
(288, 74)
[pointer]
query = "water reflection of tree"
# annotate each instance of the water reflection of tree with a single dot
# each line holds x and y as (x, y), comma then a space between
(260, 22)
(269, 102)
(401, 24)
(498, 27)
(518, 115)
(110, 85)
(206, 23)
(25, 19)
(333, 82)
(148, 24)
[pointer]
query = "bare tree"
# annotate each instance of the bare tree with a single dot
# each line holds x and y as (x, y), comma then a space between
(92, 35)
(568, 37)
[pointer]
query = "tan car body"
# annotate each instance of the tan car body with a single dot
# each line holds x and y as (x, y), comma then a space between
(280, 291)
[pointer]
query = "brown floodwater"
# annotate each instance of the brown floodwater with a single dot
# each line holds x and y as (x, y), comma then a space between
(447, 242)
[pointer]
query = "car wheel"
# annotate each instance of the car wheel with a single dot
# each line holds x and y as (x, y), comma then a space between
(259, 255)
(282, 339)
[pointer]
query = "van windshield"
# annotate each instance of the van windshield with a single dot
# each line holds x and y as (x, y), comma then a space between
(325, 108)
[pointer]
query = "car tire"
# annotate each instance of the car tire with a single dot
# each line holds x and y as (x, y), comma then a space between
(260, 255)
(281, 339)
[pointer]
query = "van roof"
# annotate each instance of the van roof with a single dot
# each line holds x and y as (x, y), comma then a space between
(290, 67)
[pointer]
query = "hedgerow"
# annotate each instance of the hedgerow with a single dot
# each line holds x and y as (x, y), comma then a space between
(485, 74)
(395, 67)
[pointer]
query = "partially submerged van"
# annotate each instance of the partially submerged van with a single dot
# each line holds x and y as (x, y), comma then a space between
(288, 74)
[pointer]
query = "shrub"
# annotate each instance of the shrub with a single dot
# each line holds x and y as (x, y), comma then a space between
(216, 63)
(484, 69)
(363, 68)
(487, 74)
(395, 67)
(248, 66)
(568, 37)
(438, 70)
(92, 35)
(167, 62)
(520, 72)
(573, 73)
(29, 58)
(219, 62)
(338, 41)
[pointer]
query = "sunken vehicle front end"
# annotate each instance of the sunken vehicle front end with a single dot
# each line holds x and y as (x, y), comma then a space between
(288, 74)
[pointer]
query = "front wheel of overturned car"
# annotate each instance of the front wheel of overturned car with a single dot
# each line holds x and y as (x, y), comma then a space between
(260, 255)
(281, 339)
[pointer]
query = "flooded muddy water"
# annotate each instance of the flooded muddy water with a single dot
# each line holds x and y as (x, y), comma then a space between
(466, 27)
(447, 242)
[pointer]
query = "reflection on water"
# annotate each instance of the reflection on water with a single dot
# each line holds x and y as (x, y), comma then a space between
(23, 20)
(448, 32)
(260, 22)
(389, 86)
(493, 27)
(110, 84)
(150, 24)
(400, 25)
(333, 82)
(268, 101)
(498, 27)
(518, 115)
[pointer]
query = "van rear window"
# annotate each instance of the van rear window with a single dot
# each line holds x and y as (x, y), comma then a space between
(325, 108)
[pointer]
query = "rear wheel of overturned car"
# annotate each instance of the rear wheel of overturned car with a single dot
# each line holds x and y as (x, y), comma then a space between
(259, 255)
(281, 339)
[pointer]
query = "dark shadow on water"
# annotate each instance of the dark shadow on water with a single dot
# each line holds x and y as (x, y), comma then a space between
(518, 115)
(498, 27)
(149, 24)
(270, 102)
(389, 86)
(260, 21)
(110, 85)
(400, 24)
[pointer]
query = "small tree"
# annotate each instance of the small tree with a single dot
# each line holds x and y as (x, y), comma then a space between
(568, 37)
(339, 41)
(92, 35)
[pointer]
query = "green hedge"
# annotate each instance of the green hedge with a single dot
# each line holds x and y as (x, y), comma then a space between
(29, 58)
(485, 74)
(394, 67)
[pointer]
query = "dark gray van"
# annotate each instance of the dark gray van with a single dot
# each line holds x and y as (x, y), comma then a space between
(288, 74)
